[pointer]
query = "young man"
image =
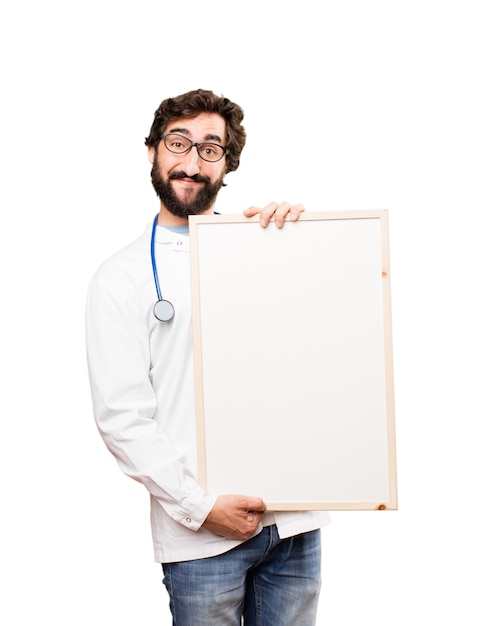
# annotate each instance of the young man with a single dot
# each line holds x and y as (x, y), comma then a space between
(225, 558)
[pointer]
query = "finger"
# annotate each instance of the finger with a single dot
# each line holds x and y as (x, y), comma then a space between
(281, 213)
(286, 209)
(251, 504)
(295, 211)
(265, 214)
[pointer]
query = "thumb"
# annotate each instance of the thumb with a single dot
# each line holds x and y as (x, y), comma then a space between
(255, 504)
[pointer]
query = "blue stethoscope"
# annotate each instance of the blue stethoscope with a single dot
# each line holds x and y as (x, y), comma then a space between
(163, 309)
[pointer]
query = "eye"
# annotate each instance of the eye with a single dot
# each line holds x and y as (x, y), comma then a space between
(177, 143)
(210, 149)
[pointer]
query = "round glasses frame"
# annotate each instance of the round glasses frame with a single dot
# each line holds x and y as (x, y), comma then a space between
(197, 144)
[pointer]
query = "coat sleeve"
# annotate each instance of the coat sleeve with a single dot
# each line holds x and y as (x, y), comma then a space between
(125, 403)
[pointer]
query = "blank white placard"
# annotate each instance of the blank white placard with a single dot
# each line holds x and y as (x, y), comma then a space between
(293, 359)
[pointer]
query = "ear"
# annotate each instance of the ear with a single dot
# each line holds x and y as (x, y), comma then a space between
(151, 154)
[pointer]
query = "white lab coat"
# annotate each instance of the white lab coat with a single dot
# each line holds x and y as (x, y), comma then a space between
(141, 375)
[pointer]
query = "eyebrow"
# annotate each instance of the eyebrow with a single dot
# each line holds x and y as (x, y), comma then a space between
(185, 131)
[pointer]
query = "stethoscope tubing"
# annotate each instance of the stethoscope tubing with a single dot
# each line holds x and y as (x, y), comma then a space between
(163, 309)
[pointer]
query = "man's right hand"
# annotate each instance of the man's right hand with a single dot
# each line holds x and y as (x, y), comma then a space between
(235, 517)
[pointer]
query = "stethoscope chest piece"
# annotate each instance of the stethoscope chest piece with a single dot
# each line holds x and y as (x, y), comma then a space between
(164, 311)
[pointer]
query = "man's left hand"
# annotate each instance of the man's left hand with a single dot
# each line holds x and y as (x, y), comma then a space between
(277, 212)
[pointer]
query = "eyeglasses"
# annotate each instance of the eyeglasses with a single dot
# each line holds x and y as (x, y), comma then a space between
(178, 144)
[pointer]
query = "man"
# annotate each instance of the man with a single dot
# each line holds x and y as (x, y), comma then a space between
(225, 558)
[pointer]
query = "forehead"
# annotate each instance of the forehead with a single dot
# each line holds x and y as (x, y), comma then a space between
(205, 126)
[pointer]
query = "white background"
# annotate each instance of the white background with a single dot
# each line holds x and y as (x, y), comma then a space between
(349, 105)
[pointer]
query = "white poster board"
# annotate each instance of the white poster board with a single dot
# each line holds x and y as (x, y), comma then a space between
(293, 360)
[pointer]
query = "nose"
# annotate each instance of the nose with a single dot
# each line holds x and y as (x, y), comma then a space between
(191, 162)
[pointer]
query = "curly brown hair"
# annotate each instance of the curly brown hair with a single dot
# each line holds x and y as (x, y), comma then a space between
(193, 103)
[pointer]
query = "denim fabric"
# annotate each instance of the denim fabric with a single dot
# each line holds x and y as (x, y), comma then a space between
(265, 581)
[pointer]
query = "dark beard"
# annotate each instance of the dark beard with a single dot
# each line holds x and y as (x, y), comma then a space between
(202, 201)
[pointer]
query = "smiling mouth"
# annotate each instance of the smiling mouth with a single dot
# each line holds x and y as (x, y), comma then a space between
(196, 178)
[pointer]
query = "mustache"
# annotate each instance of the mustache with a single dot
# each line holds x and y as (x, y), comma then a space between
(197, 178)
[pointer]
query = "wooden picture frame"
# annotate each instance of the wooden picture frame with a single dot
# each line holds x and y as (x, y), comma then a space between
(293, 359)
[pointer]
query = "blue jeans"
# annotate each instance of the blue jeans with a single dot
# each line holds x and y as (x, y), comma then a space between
(267, 580)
